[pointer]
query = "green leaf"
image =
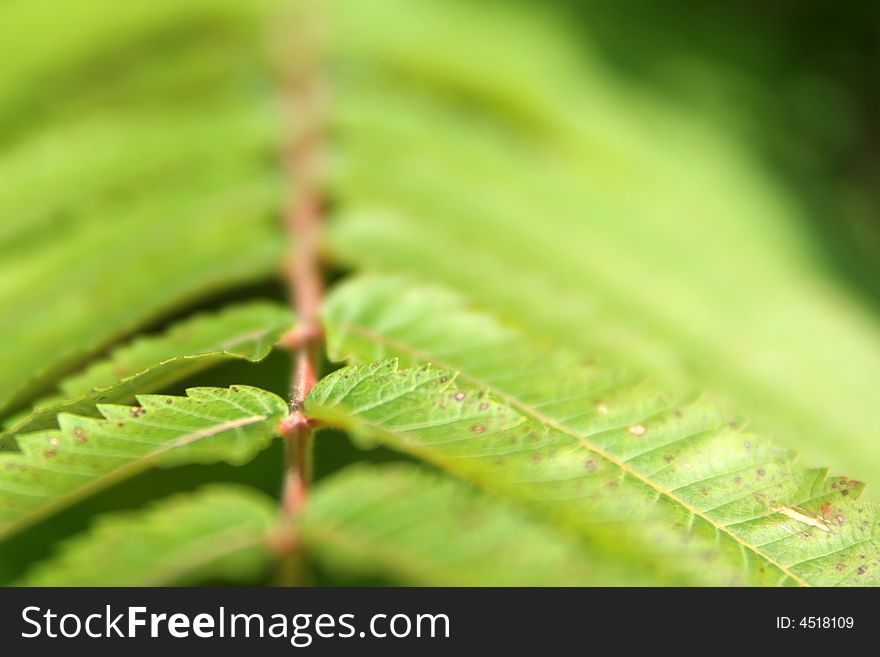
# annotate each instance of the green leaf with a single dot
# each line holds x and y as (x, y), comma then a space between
(547, 187)
(120, 274)
(216, 533)
(396, 522)
(86, 164)
(246, 331)
(58, 467)
(81, 45)
(584, 444)
(147, 183)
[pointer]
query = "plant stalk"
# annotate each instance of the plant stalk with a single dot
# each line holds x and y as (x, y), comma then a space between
(303, 276)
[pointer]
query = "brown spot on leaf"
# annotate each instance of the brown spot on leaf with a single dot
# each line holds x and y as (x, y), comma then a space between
(590, 464)
(137, 410)
(760, 472)
(840, 567)
(637, 429)
(826, 509)
(484, 406)
(49, 453)
(862, 570)
(459, 396)
(80, 435)
(478, 428)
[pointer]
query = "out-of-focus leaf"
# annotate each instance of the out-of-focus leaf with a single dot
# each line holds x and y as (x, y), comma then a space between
(42, 55)
(414, 527)
(58, 467)
(582, 443)
(76, 169)
(544, 186)
(219, 532)
(247, 331)
(77, 295)
(138, 173)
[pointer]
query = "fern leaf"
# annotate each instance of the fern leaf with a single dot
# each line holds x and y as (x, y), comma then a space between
(247, 331)
(585, 445)
(216, 533)
(58, 467)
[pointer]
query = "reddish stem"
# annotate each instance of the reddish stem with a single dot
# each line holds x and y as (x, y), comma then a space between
(303, 275)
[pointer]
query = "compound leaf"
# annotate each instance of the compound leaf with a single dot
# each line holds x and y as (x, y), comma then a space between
(585, 445)
(540, 184)
(58, 467)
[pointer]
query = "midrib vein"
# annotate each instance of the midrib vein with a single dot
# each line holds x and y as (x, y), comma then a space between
(538, 416)
(134, 466)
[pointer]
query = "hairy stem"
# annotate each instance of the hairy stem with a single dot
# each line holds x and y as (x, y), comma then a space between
(304, 107)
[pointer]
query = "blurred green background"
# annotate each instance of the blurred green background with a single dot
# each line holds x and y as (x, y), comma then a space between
(799, 80)
(698, 181)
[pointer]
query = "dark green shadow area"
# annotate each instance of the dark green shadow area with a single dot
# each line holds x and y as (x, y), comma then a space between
(794, 81)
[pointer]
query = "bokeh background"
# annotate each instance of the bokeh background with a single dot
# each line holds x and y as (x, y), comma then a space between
(691, 189)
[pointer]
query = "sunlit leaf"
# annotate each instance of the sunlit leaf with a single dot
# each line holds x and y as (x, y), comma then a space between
(580, 443)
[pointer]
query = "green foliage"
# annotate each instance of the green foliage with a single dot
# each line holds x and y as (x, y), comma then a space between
(558, 273)
(58, 467)
(179, 540)
(151, 363)
(540, 185)
(395, 523)
(581, 443)
(171, 202)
